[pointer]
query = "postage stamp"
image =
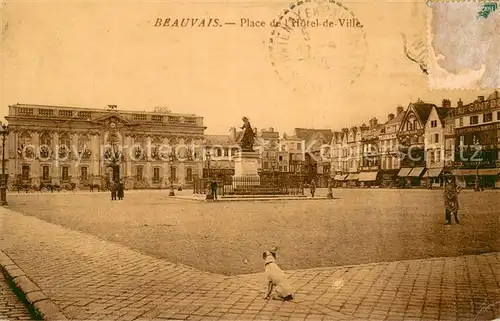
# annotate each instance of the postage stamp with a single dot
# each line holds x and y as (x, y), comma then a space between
(464, 45)
(318, 44)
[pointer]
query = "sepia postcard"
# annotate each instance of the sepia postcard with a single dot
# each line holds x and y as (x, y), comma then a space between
(250, 160)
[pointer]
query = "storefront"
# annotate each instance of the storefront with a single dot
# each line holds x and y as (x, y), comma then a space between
(486, 177)
(340, 180)
(433, 177)
(413, 177)
(352, 180)
(368, 179)
(388, 178)
(403, 177)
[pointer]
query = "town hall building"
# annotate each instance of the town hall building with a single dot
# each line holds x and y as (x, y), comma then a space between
(58, 144)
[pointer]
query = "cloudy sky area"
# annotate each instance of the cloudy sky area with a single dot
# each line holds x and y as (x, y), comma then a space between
(91, 54)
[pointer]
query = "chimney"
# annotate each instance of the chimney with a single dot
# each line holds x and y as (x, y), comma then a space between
(460, 103)
(446, 103)
(390, 117)
(271, 129)
(495, 94)
(373, 122)
(399, 110)
(480, 98)
(232, 133)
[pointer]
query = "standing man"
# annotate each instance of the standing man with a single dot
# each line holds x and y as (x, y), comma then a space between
(120, 190)
(451, 191)
(113, 187)
(213, 187)
(313, 187)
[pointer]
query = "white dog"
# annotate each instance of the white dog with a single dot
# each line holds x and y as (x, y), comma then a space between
(276, 278)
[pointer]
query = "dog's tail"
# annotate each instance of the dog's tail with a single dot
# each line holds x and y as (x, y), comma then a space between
(274, 249)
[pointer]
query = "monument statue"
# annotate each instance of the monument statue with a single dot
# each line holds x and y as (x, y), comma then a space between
(248, 137)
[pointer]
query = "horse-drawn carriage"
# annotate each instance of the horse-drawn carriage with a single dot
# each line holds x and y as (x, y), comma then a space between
(20, 185)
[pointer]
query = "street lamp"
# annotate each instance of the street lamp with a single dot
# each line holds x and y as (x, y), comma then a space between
(3, 188)
(476, 181)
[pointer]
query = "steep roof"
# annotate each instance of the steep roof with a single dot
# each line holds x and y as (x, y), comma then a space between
(423, 110)
(493, 95)
(222, 140)
(308, 133)
(443, 112)
(397, 119)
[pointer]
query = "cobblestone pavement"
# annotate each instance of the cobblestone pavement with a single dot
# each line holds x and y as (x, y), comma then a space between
(89, 278)
(363, 226)
(11, 308)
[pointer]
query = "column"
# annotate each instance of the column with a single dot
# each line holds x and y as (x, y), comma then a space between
(75, 159)
(34, 165)
(128, 161)
(10, 155)
(165, 172)
(55, 166)
(148, 169)
(181, 173)
(95, 158)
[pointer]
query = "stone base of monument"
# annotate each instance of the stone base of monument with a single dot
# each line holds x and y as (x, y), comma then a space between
(246, 169)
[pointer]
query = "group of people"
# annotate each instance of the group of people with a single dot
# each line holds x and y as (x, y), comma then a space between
(117, 190)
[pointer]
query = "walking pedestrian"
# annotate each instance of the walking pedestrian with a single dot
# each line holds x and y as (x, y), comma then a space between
(313, 187)
(451, 191)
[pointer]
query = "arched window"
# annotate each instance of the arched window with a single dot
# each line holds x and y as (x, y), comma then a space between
(83, 142)
(24, 139)
(64, 145)
(65, 140)
(156, 145)
(45, 139)
(139, 150)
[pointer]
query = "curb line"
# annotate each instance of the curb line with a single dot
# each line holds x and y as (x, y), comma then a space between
(250, 199)
(38, 303)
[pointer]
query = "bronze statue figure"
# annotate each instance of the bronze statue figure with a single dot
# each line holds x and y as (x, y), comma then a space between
(248, 138)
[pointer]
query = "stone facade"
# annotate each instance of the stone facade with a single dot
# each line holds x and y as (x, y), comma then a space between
(56, 144)
(477, 142)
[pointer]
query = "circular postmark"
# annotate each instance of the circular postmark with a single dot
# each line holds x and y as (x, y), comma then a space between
(317, 44)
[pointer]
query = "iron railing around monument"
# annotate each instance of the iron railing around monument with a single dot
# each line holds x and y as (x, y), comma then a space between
(282, 184)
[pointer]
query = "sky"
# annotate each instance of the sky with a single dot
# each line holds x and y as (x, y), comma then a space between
(92, 54)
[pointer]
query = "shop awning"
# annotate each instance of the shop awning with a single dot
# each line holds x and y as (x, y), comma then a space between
(340, 177)
(433, 172)
(489, 171)
(367, 176)
(464, 172)
(403, 172)
(416, 172)
(352, 177)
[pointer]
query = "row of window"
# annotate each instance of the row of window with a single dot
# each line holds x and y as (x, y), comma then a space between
(25, 173)
(474, 120)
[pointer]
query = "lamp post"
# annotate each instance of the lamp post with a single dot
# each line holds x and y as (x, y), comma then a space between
(209, 195)
(476, 181)
(3, 188)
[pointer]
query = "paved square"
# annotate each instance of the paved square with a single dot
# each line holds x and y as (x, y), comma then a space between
(88, 277)
(363, 226)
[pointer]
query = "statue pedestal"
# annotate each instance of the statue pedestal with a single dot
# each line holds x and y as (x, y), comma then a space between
(246, 169)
